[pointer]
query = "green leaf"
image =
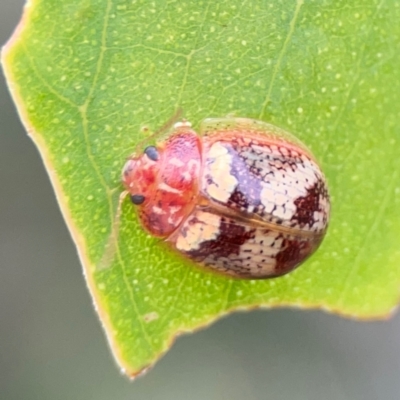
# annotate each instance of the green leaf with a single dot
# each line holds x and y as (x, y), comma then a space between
(86, 75)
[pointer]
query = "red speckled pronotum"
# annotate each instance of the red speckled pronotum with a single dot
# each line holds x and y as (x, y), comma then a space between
(244, 198)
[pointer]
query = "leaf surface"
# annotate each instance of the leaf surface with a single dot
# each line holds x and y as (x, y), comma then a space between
(87, 75)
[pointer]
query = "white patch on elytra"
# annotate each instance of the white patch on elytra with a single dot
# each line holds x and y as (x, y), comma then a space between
(267, 196)
(282, 213)
(287, 184)
(219, 163)
(200, 227)
(280, 199)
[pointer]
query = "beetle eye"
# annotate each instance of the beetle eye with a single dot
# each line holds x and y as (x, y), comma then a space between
(137, 199)
(151, 152)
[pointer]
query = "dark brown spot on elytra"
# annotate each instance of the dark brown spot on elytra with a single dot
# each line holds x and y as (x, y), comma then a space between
(229, 241)
(292, 254)
(307, 205)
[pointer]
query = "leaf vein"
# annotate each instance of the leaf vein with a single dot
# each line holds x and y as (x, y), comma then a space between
(83, 110)
(289, 35)
(45, 83)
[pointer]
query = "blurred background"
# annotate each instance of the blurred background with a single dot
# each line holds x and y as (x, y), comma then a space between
(52, 345)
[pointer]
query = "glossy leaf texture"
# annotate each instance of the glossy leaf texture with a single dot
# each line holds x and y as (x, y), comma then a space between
(88, 75)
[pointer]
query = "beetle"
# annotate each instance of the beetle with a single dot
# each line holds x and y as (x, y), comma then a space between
(243, 198)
